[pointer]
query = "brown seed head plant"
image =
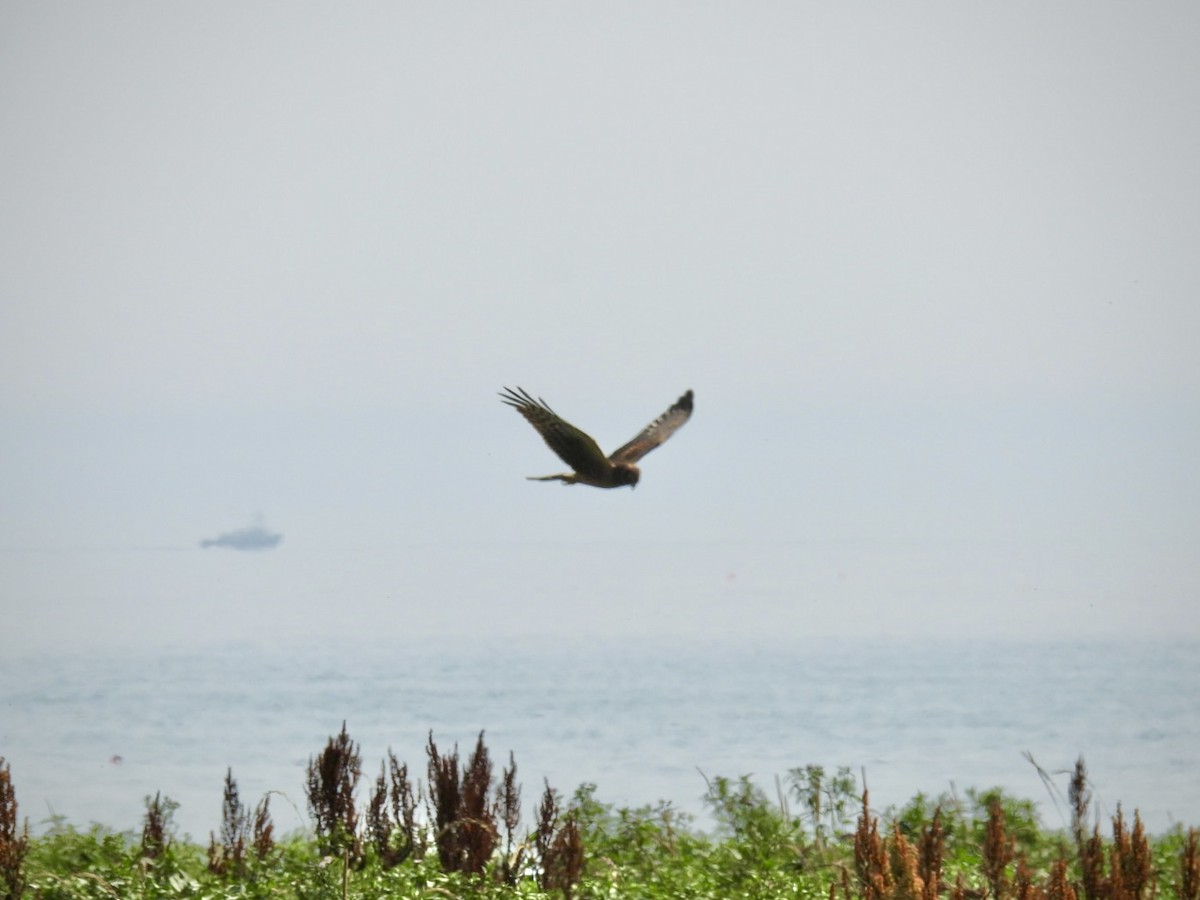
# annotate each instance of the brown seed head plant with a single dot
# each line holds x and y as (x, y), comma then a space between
(240, 834)
(508, 801)
(263, 833)
(905, 861)
(228, 858)
(332, 779)
(559, 846)
(997, 849)
(465, 822)
(870, 860)
(894, 868)
(1091, 866)
(14, 839)
(933, 850)
(1131, 867)
(391, 815)
(1189, 867)
(1080, 797)
(1130, 874)
(1059, 886)
(156, 830)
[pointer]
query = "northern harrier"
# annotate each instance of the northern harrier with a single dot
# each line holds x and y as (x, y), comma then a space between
(581, 453)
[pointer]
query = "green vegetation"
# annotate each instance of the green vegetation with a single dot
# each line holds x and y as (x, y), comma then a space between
(461, 835)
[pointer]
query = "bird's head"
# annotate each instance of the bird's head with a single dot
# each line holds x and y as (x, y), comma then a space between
(626, 474)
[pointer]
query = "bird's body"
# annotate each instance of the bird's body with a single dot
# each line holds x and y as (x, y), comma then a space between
(620, 475)
(578, 450)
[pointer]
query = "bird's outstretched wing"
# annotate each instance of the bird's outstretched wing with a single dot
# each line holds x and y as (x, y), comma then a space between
(656, 432)
(574, 447)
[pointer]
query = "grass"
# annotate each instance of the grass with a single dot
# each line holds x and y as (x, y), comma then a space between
(460, 834)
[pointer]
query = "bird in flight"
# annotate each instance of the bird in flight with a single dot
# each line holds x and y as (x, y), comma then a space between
(579, 451)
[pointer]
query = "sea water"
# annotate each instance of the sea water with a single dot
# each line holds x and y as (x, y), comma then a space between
(89, 735)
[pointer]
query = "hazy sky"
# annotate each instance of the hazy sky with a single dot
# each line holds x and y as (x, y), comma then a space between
(931, 269)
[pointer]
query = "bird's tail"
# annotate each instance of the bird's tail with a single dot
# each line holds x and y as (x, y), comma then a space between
(565, 479)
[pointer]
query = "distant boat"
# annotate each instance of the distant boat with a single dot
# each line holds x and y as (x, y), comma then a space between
(255, 538)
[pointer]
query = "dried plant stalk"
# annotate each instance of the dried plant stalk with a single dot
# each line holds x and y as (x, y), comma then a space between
(14, 838)
(870, 860)
(332, 779)
(1189, 867)
(559, 846)
(997, 849)
(156, 827)
(228, 858)
(391, 818)
(1131, 867)
(905, 860)
(933, 850)
(263, 832)
(466, 830)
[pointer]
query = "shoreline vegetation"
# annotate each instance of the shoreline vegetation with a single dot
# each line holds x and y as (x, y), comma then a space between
(461, 833)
